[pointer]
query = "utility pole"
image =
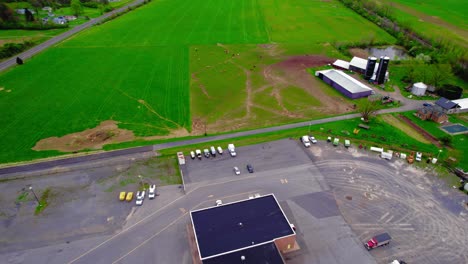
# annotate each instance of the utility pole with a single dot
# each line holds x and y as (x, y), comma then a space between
(37, 199)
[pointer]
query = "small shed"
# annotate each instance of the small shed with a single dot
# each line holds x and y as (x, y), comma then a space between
(419, 89)
(341, 64)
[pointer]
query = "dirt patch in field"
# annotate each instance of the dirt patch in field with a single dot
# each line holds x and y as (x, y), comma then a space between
(357, 52)
(293, 71)
(94, 138)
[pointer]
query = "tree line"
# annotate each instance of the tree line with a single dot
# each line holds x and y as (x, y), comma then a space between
(440, 50)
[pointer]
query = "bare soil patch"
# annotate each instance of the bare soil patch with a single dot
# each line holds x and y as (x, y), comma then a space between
(357, 52)
(94, 138)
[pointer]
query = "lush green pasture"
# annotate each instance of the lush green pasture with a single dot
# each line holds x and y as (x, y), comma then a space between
(14, 35)
(437, 20)
(452, 11)
(180, 22)
(137, 69)
(94, 84)
(316, 21)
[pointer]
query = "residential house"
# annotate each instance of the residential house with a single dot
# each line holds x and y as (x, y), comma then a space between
(434, 113)
(447, 105)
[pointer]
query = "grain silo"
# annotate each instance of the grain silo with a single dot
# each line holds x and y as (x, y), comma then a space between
(419, 89)
(370, 68)
(383, 65)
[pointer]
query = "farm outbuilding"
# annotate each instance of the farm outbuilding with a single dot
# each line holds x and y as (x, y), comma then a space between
(344, 83)
(419, 89)
(463, 104)
(248, 231)
(358, 64)
(341, 64)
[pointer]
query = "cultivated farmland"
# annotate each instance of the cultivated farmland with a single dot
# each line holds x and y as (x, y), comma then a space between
(138, 70)
(438, 20)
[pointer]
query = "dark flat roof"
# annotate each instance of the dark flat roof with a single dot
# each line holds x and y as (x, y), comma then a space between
(446, 103)
(261, 254)
(237, 225)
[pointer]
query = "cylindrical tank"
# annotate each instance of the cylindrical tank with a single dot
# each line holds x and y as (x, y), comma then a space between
(419, 89)
(370, 68)
(383, 66)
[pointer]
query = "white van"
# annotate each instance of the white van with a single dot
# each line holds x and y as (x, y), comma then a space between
(305, 140)
(213, 151)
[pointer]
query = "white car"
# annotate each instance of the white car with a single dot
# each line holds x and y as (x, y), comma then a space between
(219, 202)
(140, 197)
(236, 171)
(192, 154)
(220, 150)
(313, 140)
(152, 191)
(418, 156)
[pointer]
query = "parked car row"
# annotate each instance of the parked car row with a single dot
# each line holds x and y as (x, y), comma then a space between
(212, 151)
(249, 168)
(307, 140)
(140, 195)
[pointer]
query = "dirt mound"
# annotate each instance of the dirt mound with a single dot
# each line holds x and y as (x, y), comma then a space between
(94, 138)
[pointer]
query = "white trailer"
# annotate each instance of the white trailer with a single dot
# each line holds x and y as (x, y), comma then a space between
(376, 149)
(386, 155)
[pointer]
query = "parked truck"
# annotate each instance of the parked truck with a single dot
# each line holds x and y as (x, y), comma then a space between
(305, 140)
(232, 150)
(377, 241)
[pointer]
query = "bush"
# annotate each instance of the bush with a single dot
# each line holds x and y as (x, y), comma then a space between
(91, 4)
(10, 49)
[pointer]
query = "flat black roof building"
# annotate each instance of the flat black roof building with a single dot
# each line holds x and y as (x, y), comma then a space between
(260, 254)
(248, 226)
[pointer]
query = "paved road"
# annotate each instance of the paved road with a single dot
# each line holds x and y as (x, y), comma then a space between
(409, 105)
(39, 48)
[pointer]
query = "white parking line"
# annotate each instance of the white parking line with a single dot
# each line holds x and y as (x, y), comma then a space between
(383, 216)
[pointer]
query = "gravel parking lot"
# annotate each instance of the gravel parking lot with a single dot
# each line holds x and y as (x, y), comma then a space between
(426, 219)
(337, 198)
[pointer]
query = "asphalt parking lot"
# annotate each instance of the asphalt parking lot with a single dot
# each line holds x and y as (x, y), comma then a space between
(264, 157)
(336, 197)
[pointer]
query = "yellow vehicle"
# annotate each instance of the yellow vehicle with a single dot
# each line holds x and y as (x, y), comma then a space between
(129, 197)
(122, 196)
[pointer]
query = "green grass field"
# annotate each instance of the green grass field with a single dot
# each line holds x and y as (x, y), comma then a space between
(434, 19)
(137, 68)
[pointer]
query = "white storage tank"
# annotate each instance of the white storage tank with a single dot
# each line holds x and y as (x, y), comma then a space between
(419, 89)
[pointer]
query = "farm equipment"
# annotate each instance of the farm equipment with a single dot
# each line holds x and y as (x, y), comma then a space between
(410, 157)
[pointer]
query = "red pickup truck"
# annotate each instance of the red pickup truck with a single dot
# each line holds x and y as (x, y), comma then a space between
(377, 241)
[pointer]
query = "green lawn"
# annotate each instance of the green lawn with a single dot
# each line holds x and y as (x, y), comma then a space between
(459, 146)
(434, 19)
(80, 99)
(316, 21)
(136, 69)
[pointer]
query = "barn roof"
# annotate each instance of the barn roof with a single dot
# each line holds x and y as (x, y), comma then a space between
(345, 81)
